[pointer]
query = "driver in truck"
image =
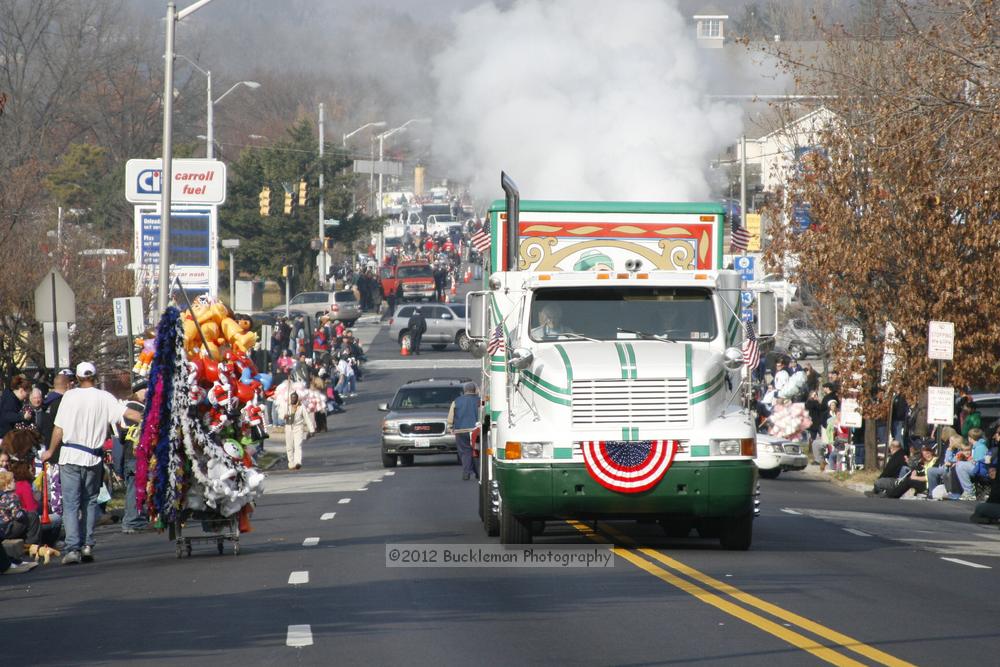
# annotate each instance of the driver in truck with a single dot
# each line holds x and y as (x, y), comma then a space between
(549, 322)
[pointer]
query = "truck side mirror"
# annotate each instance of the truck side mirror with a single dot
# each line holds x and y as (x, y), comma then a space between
(767, 314)
(475, 315)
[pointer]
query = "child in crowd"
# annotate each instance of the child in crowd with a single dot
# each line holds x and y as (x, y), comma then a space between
(15, 522)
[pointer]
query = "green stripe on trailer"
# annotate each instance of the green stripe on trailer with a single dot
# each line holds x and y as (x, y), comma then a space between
(707, 395)
(547, 385)
(687, 365)
(567, 364)
(621, 359)
(544, 393)
(549, 206)
(633, 368)
(702, 387)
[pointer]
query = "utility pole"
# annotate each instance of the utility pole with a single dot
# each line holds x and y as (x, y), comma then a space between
(322, 231)
(743, 183)
(168, 156)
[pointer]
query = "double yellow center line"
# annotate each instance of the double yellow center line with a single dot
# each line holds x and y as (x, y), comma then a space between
(669, 570)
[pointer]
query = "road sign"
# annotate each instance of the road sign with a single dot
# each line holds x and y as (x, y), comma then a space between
(266, 331)
(54, 299)
(386, 167)
(941, 340)
(746, 314)
(940, 405)
(850, 413)
(195, 181)
(56, 335)
(746, 298)
(744, 266)
(128, 316)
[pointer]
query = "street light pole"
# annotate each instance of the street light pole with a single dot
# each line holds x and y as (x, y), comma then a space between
(322, 230)
(166, 178)
(381, 139)
(210, 116)
(173, 16)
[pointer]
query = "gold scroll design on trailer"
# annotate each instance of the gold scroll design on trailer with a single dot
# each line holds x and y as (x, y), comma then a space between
(540, 253)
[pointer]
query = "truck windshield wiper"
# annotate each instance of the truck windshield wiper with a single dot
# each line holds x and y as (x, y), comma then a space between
(568, 334)
(647, 335)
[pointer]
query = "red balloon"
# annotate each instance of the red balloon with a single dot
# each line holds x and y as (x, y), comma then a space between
(245, 392)
(211, 373)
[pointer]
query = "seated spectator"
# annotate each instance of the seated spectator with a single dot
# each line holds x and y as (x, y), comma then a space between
(942, 474)
(893, 471)
(971, 463)
(916, 479)
(15, 521)
(989, 511)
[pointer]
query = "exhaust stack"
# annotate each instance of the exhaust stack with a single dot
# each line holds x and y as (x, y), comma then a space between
(513, 199)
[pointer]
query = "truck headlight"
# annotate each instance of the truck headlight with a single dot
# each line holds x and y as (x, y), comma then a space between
(774, 447)
(390, 427)
(533, 450)
(734, 447)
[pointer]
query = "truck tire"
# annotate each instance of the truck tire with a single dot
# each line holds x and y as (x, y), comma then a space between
(463, 341)
(388, 460)
(491, 522)
(737, 533)
(770, 474)
(513, 530)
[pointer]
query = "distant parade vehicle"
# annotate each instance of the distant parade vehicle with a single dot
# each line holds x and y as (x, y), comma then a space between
(613, 364)
(415, 277)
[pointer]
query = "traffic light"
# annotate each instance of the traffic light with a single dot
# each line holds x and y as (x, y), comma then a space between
(287, 271)
(265, 201)
(327, 243)
(302, 192)
(288, 202)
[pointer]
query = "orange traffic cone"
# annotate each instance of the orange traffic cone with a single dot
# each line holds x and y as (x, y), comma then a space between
(404, 349)
(454, 289)
(468, 275)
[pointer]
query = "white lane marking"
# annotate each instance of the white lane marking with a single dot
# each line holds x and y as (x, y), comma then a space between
(344, 501)
(298, 577)
(965, 562)
(390, 473)
(421, 364)
(859, 533)
(310, 541)
(788, 511)
(328, 516)
(299, 635)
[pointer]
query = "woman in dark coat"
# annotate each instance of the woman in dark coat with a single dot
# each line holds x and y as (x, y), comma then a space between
(13, 411)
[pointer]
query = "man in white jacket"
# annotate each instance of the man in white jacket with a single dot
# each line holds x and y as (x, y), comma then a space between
(299, 425)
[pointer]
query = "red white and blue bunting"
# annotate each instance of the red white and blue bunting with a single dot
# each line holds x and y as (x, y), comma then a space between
(628, 466)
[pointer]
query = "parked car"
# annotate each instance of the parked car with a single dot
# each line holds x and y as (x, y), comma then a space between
(341, 304)
(417, 423)
(445, 325)
(345, 307)
(776, 455)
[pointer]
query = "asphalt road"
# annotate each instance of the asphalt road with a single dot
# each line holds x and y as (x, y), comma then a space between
(832, 577)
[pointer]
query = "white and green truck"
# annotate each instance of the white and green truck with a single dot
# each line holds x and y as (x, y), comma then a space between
(613, 375)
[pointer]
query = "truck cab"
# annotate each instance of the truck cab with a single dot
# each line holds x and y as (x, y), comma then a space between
(613, 370)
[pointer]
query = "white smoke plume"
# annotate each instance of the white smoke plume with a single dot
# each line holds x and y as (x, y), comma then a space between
(579, 99)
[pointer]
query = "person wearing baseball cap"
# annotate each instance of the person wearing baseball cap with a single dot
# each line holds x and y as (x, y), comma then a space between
(77, 441)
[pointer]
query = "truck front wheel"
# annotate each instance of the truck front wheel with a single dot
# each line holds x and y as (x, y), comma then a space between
(513, 530)
(737, 533)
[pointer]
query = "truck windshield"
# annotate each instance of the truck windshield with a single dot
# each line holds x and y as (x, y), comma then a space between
(677, 313)
(415, 272)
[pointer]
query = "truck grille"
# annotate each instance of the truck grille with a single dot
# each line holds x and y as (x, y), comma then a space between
(631, 402)
(421, 429)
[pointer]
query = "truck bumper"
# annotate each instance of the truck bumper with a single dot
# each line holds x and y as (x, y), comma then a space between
(689, 489)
